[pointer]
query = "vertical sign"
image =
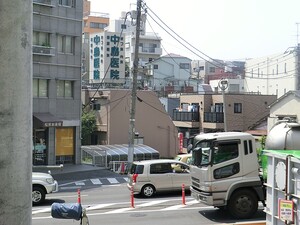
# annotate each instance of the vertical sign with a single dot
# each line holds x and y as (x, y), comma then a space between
(180, 137)
(107, 57)
(286, 210)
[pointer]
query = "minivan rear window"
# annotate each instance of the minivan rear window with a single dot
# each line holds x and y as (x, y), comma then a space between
(136, 169)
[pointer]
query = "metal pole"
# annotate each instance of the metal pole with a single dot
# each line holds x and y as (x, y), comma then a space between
(134, 86)
(223, 84)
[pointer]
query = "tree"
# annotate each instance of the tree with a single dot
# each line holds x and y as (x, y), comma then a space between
(88, 126)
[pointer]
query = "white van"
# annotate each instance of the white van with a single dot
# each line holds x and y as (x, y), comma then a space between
(151, 176)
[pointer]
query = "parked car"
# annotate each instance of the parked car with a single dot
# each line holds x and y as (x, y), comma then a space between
(185, 158)
(151, 176)
(42, 184)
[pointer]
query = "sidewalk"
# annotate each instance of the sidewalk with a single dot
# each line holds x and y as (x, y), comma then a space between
(68, 168)
(79, 172)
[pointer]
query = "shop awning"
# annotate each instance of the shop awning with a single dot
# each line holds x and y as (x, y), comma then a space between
(48, 120)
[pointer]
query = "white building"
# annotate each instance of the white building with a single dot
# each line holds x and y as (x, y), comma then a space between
(170, 71)
(274, 74)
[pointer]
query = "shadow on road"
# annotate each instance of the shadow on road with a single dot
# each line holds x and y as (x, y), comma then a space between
(222, 216)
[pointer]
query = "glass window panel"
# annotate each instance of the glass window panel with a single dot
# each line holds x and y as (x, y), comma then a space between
(69, 45)
(60, 43)
(43, 40)
(35, 88)
(35, 38)
(43, 88)
(60, 88)
(68, 89)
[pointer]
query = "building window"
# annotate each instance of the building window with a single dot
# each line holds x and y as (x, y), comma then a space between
(98, 25)
(237, 107)
(40, 88)
(212, 69)
(184, 66)
(64, 88)
(65, 44)
(41, 39)
(96, 106)
(155, 67)
(69, 3)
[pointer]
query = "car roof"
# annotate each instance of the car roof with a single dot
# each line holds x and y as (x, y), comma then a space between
(151, 161)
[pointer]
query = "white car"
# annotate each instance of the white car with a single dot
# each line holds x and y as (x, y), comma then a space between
(151, 176)
(42, 184)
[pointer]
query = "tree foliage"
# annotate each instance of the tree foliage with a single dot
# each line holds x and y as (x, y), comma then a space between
(88, 126)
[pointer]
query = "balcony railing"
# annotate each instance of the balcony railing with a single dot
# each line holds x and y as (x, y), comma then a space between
(43, 50)
(214, 117)
(44, 2)
(185, 116)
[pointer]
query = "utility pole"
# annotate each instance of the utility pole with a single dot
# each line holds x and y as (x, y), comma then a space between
(223, 84)
(16, 112)
(134, 85)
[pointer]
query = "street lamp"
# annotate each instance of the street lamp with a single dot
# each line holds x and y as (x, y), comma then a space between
(223, 85)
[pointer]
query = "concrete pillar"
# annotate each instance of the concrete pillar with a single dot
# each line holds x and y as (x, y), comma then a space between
(15, 112)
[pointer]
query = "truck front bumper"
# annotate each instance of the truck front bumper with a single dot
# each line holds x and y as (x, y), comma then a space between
(206, 198)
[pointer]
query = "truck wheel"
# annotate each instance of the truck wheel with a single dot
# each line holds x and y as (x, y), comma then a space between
(38, 195)
(243, 204)
(148, 190)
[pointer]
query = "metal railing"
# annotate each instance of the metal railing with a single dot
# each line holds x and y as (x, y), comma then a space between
(214, 117)
(185, 116)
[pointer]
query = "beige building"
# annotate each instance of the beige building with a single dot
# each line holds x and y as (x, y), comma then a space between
(153, 125)
(205, 113)
(287, 106)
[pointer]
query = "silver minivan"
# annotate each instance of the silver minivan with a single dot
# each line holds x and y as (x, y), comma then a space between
(151, 176)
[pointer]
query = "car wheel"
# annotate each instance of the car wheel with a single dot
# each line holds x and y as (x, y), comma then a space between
(243, 204)
(38, 195)
(148, 190)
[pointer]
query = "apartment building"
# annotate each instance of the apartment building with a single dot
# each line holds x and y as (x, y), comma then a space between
(171, 74)
(208, 113)
(57, 38)
(274, 74)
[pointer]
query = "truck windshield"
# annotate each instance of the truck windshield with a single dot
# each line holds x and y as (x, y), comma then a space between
(201, 154)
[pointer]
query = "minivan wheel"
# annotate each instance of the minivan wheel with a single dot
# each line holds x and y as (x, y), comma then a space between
(148, 190)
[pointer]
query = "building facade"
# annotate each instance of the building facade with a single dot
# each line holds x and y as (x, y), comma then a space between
(153, 126)
(170, 74)
(57, 38)
(275, 74)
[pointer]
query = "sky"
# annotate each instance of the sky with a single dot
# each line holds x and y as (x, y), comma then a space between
(218, 29)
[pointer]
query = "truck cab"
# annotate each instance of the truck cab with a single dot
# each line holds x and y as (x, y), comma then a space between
(225, 172)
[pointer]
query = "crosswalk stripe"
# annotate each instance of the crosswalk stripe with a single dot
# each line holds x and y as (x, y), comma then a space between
(126, 179)
(100, 206)
(152, 203)
(41, 211)
(113, 180)
(96, 181)
(119, 210)
(79, 183)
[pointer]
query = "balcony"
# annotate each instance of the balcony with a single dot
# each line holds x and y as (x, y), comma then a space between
(186, 119)
(213, 117)
(43, 50)
(50, 3)
(185, 116)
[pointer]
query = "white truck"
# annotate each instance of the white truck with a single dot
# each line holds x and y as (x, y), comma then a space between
(42, 184)
(225, 172)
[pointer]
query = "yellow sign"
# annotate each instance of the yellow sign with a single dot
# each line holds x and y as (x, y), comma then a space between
(286, 210)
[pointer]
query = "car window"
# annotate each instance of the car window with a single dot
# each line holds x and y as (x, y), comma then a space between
(180, 168)
(136, 169)
(159, 168)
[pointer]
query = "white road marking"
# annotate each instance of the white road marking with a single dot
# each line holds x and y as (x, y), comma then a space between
(112, 180)
(100, 206)
(79, 183)
(152, 203)
(96, 181)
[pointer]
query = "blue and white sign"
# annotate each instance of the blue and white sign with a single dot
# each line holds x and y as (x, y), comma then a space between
(107, 58)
